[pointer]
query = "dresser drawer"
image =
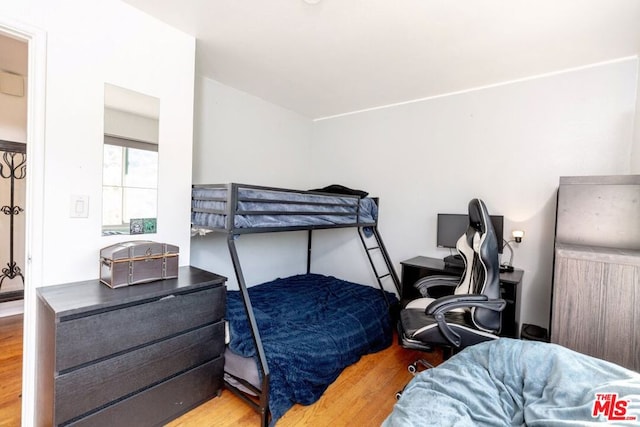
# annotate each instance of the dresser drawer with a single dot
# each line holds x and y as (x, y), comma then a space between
(97, 384)
(86, 339)
(161, 403)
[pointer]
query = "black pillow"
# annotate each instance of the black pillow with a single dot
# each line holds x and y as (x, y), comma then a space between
(341, 189)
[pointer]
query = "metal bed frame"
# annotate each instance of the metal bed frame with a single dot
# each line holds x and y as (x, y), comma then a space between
(260, 402)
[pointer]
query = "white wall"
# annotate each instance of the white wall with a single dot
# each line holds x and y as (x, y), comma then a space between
(506, 144)
(89, 44)
(420, 158)
(635, 151)
(241, 138)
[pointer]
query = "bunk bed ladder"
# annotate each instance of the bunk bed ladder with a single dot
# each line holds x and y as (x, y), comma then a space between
(388, 271)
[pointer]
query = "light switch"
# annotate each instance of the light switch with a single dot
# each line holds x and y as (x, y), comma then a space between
(79, 207)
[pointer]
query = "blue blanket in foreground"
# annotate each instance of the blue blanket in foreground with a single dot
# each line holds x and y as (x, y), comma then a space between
(513, 383)
(312, 327)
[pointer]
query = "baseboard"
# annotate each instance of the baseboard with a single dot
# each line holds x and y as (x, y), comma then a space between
(11, 308)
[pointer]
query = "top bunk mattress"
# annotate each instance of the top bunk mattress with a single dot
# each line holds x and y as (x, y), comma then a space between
(238, 207)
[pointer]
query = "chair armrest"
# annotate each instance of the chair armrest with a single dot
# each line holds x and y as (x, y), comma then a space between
(424, 284)
(449, 302)
(439, 307)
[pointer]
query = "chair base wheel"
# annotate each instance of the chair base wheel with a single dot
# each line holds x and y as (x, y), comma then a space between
(413, 368)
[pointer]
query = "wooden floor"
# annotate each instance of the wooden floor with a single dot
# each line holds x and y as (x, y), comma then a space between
(10, 370)
(364, 394)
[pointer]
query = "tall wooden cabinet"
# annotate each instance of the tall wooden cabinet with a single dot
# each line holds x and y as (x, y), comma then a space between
(596, 288)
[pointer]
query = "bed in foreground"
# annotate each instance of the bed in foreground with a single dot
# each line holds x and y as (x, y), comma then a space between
(510, 382)
(312, 326)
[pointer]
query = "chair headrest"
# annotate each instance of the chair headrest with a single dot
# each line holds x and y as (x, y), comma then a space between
(479, 216)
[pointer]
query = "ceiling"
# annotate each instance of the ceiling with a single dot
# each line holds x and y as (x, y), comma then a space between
(341, 56)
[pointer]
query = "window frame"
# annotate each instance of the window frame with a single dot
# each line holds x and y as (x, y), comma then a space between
(125, 143)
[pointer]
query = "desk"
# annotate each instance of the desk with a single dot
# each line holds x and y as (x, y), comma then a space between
(420, 266)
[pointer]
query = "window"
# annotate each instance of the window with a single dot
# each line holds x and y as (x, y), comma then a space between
(129, 184)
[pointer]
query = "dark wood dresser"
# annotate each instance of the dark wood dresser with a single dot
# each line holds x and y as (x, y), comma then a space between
(140, 355)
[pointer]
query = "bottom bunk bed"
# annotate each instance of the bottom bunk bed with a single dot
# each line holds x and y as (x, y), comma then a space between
(312, 327)
(508, 382)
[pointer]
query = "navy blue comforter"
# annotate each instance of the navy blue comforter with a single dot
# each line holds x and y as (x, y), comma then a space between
(312, 327)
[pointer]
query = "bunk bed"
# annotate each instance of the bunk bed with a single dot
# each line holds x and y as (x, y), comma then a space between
(290, 338)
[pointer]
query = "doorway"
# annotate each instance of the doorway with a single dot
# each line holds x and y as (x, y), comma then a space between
(13, 138)
(13, 168)
(30, 132)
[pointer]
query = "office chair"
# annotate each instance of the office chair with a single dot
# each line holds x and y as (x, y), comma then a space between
(471, 315)
(461, 284)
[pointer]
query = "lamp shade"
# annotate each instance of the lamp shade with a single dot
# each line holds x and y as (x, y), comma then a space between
(517, 235)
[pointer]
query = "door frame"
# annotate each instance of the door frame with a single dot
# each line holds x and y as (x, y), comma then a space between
(34, 214)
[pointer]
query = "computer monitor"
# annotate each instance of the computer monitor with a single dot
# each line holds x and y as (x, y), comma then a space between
(452, 226)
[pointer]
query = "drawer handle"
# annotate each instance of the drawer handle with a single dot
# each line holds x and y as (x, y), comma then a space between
(167, 297)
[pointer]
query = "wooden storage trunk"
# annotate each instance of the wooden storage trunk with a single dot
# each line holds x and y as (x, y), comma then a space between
(141, 261)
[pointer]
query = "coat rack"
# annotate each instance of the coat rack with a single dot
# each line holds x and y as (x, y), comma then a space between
(13, 167)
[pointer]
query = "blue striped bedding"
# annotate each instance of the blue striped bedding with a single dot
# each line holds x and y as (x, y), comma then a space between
(261, 208)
